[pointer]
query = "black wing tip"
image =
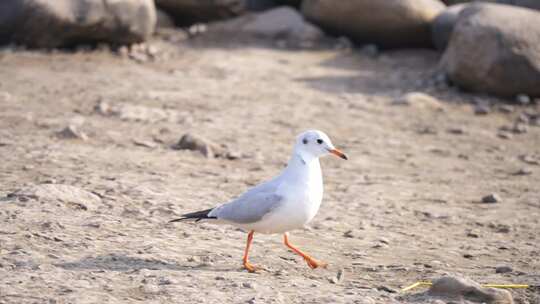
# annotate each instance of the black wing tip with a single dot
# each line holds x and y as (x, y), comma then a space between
(197, 216)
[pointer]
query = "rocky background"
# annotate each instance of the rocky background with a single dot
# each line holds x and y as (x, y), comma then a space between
(117, 116)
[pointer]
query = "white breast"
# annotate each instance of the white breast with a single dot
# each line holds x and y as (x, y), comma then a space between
(302, 190)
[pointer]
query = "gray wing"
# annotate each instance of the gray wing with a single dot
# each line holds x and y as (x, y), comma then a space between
(250, 206)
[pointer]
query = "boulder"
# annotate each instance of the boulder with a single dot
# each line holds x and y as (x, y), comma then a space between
(187, 12)
(461, 290)
(443, 25)
(390, 23)
(495, 49)
(282, 22)
(59, 23)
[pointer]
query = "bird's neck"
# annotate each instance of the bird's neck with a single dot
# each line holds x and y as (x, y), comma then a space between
(303, 166)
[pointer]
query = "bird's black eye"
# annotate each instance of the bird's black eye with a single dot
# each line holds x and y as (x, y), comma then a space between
(305, 141)
(319, 141)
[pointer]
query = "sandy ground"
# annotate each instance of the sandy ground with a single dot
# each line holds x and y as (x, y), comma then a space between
(405, 207)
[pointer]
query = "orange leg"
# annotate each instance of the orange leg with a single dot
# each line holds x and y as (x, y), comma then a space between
(313, 263)
(247, 264)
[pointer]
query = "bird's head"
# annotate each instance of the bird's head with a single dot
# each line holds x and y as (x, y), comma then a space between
(315, 143)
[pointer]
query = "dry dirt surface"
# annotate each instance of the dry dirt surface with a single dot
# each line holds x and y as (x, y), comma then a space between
(83, 213)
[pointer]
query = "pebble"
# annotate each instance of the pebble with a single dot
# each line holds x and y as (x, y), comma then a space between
(523, 171)
(503, 269)
(481, 109)
(386, 289)
(248, 285)
(506, 108)
(523, 99)
(491, 198)
(72, 132)
(504, 135)
(350, 234)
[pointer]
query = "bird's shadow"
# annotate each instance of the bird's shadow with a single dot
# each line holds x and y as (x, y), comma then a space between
(123, 263)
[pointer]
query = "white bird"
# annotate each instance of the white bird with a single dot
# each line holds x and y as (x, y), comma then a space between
(287, 202)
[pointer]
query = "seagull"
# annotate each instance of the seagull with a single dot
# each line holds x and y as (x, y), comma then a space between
(288, 201)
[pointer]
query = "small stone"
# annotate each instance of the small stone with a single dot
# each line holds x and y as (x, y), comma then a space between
(468, 256)
(72, 132)
(386, 289)
(523, 171)
(248, 285)
(195, 143)
(350, 234)
(144, 143)
(456, 130)
(503, 269)
(219, 278)
(418, 100)
(461, 290)
(472, 235)
(523, 99)
(384, 241)
(504, 135)
(506, 108)
(481, 109)
(491, 198)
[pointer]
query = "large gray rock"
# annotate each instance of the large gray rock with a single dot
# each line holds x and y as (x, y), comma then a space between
(46, 23)
(495, 49)
(467, 291)
(389, 23)
(188, 12)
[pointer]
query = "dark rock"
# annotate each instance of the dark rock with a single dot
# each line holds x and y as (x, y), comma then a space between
(443, 25)
(491, 198)
(509, 36)
(187, 12)
(386, 289)
(49, 24)
(461, 289)
(503, 269)
(390, 23)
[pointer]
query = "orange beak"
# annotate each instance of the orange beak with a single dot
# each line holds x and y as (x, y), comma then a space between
(338, 153)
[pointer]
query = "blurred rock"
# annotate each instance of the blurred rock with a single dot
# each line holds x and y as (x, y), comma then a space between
(197, 143)
(510, 39)
(57, 192)
(187, 12)
(523, 99)
(390, 23)
(503, 269)
(139, 113)
(282, 22)
(491, 198)
(461, 289)
(443, 25)
(44, 23)
(418, 100)
(72, 132)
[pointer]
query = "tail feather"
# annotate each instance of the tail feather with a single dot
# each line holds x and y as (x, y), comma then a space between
(197, 216)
